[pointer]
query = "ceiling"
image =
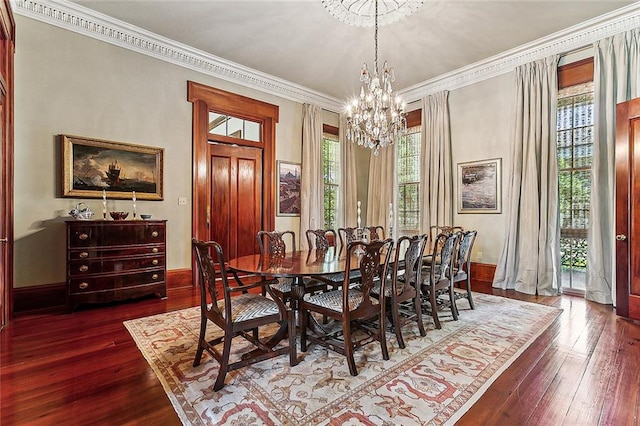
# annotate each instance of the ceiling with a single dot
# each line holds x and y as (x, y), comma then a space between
(300, 42)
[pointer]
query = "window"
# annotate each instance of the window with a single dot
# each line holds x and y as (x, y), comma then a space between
(575, 154)
(331, 177)
(408, 165)
(228, 125)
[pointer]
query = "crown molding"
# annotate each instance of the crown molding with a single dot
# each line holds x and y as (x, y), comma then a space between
(81, 20)
(573, 38)
(72, 17)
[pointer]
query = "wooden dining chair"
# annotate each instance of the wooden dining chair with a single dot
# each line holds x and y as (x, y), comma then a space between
(238, 313)
(347, 235)
(461, 271)
(402, 292)
(323, 239)
(435, 230)
(273, 243)
(374, 232)
(437, 285)
(352, 307)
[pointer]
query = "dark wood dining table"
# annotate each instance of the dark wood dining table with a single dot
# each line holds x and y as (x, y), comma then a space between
(295, 264)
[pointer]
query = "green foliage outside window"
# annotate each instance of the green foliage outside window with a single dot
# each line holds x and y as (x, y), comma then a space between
(408, 165)
(331, 178)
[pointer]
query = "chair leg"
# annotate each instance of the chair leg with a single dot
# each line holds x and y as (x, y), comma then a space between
(452, 301)
(348, 347)
(417, 303)
(434, 309)
(469, 292)
(303, 316)
(395, 316)
(201, 341)
(224, 364)
(382, 336)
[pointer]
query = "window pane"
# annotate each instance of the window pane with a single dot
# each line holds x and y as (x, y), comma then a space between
(331, 177)
(408, 165)
(227, 125)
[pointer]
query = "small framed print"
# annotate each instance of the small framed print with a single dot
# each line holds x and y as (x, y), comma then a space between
(479, 186)
(289, 175)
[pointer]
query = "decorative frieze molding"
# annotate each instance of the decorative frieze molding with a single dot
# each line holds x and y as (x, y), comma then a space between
(73, 17)
(566, 41)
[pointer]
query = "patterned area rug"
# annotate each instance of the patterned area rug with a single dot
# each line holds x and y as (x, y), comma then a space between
(434, 380)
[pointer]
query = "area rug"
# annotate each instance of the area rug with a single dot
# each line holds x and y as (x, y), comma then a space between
(434, 380)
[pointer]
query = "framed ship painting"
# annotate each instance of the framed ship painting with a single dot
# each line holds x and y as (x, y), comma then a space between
(479, 186)
(289, 175)
(93, 165)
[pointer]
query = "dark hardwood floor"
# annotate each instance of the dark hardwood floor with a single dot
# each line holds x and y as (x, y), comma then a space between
(84, 368)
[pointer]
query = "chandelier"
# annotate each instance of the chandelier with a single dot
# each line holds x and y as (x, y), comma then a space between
(376, 118)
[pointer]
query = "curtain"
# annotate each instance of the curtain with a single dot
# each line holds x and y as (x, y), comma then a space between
(436, 180)
(381, 188)
(312, 181)
(616, 79)
(348, 181)
(530, 259)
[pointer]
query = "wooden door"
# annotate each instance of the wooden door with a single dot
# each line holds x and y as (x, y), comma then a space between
(235, 198)
(7, 37)
(628, 209)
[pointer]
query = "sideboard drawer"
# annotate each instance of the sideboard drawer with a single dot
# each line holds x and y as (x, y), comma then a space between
(97, 266)
(120, 233)
(107, 253)
(121, 281)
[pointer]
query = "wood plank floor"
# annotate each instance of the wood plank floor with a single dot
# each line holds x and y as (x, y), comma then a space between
(84, 368)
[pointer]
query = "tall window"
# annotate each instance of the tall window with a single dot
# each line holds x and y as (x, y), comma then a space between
(331, 175)
(575, 155)
(408, 165)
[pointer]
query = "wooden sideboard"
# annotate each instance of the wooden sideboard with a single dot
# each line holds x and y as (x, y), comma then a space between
(111, 260)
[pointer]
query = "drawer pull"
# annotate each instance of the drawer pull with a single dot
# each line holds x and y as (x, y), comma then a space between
(83, 286)
(154, 276)
(155, 261)
(154, 250)
(84, 268)
(154, 234)
(84, 255)
(83, 236)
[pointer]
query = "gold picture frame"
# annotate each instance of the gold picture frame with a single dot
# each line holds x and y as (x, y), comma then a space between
(90, 166)
(480, 186)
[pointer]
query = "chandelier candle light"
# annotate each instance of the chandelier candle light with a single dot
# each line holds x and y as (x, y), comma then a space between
(376, 119)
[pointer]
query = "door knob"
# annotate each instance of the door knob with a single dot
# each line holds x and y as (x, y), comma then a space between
(4, 240)
(621, 237)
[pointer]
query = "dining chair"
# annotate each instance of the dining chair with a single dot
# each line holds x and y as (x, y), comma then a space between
(273, 243)
(347, 235)
(435, 230)
(353, 308)
(323, 239)
(461, 272)
(238, 312)
(402, 292)
(374, 232)
(437, 282)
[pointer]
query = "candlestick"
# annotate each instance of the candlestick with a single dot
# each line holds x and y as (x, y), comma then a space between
(104, 204)
(359, 221)
(391, 220)
(134, 204)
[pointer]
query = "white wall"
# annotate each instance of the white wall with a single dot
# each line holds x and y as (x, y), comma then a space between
(481, 117)
(71, 84)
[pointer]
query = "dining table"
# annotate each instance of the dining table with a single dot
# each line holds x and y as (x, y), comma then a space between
(294, 264)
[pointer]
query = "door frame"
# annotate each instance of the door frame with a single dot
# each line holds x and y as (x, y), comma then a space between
(205, 99)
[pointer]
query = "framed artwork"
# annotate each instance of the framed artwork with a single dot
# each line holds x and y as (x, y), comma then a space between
(288, 188)
(479, 186)
(90, 166)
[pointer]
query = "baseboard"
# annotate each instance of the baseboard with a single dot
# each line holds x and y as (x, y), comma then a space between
(483, 272)
(53, 297)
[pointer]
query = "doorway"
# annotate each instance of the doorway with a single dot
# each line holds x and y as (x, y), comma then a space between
(627, 212)
(233, 176)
